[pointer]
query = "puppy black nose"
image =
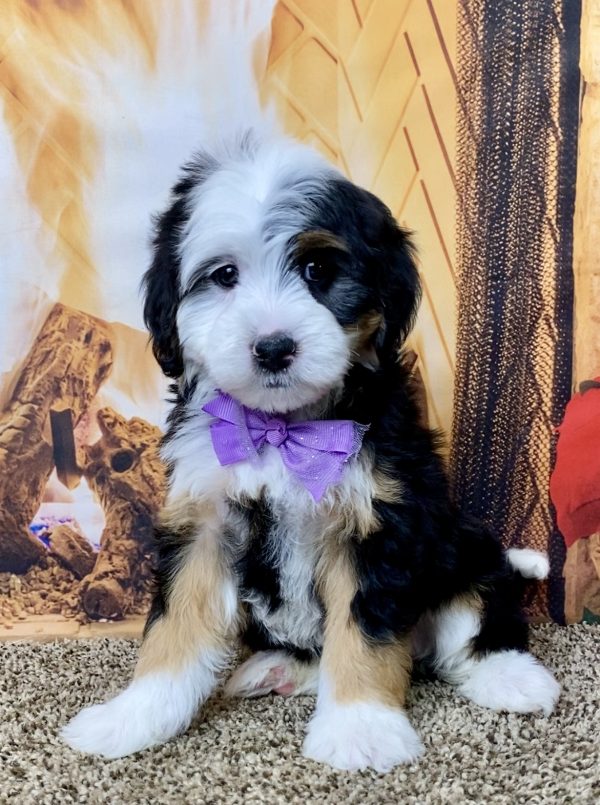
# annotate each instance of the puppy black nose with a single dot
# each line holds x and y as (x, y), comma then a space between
(274, 352)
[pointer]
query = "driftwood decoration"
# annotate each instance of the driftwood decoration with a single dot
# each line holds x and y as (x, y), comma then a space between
(124, 470)
(582, 580)
(66, 365)
(72, 550)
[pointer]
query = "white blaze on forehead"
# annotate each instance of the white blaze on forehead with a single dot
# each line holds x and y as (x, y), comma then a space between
(259, 197)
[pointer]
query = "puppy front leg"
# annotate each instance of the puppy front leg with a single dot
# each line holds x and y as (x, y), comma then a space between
(359, 721)
(185, 645)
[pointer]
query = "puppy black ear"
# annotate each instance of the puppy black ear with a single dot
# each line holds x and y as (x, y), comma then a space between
(387, 251)
(161, 290)
(399, 287)
(161, 283)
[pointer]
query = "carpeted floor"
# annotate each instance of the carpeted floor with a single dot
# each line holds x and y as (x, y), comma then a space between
(246, 752)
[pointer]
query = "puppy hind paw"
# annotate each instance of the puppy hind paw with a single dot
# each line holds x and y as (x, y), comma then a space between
(360, 736)
(511, 681)
(272, 672)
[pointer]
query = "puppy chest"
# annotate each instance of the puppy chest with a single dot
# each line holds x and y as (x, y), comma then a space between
(277, 574)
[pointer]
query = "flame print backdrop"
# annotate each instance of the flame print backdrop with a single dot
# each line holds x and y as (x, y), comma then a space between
(101, 102)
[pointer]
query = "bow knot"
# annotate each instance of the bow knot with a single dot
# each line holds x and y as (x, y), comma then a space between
(314, 452)
(276, 432)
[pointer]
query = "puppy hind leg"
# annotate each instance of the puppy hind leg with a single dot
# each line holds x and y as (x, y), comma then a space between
(481, 649)
(184, 648)
(273, 672)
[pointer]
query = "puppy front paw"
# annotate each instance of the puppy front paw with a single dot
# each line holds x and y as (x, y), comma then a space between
(150, 711)
(360, 736)
(101, 730)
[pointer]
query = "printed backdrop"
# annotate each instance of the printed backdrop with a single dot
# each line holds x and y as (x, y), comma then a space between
(100, 104)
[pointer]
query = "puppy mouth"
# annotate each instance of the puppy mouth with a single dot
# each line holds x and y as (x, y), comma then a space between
(281, 380)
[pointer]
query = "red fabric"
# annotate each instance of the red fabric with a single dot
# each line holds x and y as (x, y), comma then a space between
(575, 482)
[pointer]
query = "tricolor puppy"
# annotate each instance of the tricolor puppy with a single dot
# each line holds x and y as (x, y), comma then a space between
(308, 511)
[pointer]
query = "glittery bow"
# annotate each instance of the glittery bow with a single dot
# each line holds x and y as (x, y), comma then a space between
(315, 452)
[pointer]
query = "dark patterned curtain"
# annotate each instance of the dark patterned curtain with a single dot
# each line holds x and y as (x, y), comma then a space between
(517, 147)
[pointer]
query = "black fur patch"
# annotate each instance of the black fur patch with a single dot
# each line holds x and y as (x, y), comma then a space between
(180, 413)
(257, 638)
(258, 575)
(425, 553)
(255, 568)
(504, 625)
(169, 554)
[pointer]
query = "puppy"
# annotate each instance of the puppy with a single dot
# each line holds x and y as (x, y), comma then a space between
(308, 511)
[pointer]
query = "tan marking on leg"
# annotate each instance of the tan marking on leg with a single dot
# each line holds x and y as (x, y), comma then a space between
(354, 518)
(197, 615)
(472, 600)
(358, 668)
(386, 486)
(352, 514)
(184, 514)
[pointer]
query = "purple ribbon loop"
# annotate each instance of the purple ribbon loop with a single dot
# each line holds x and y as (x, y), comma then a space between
(314, 452)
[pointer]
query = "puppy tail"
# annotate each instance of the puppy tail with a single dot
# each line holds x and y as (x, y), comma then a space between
(529, 564)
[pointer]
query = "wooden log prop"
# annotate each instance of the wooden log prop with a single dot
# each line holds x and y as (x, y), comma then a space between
(124, 470)
(69, 360)
(72, 551)
(582, 580)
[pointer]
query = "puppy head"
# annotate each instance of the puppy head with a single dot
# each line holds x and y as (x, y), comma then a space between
(272, 275)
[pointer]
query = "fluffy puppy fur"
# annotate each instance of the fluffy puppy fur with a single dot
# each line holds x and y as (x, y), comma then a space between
(338, 597)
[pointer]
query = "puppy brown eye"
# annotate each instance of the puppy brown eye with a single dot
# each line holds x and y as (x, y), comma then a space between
(317, 271)
(225, 276)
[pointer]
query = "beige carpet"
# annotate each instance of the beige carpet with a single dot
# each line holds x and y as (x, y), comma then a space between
(250, 751)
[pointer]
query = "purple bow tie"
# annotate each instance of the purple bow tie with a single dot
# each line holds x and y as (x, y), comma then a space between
(315, 452)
